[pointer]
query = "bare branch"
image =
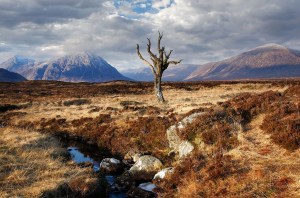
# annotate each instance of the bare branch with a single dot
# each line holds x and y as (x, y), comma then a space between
(142, 58)
(149, 50)
(175, 62)
(167, 56)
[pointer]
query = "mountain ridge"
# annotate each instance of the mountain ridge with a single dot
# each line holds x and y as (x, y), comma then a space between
(77, 67)
(7, 76)
(266, 61)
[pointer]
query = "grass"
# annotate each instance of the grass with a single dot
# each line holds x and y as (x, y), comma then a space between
(242, 141)
(32, 163)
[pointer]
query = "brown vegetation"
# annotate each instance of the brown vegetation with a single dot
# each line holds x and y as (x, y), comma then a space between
(32, 163)
(235, 154)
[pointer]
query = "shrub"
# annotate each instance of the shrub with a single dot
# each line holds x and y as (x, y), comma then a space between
(284, 126)
(76, 102)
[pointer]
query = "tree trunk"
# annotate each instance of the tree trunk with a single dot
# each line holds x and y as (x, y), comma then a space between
(158, 89)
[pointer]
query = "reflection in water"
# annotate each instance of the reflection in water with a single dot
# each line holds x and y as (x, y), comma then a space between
(78, 157)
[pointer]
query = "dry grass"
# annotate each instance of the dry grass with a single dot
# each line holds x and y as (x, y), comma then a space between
(31, 163)
(234, 157)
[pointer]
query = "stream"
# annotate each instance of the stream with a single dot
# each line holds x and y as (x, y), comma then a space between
(80, 155)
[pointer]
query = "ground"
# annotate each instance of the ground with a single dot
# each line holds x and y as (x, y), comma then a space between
(32, 164)
(231, 161)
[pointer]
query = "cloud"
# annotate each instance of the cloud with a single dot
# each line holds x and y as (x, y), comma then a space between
(197, 31)
(160, 4)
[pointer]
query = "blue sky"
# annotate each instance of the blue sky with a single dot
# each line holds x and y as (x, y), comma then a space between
(197, 31)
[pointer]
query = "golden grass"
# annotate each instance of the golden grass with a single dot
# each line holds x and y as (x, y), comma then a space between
(31, 163)
(269, 167)
(180, 101)
(270, 164)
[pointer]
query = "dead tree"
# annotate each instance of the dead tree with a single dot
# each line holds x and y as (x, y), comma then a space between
(159, 64)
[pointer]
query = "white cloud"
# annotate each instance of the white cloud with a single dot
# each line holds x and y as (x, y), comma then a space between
(160, 4)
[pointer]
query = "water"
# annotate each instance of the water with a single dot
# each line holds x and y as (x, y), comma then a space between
(79, 156)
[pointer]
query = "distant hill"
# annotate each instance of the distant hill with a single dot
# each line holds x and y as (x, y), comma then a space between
(267, 61)
(80, 67)
(7, 76)
(173, 73)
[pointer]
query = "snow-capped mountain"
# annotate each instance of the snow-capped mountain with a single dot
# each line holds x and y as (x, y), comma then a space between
(17, 64)
(80, 67)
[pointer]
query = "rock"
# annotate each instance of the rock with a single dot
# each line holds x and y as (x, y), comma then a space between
(175, 143)
(132, 155)
(110, 165)
(191, 118)
(146, 167)
(185, 148)
(161, 174)
(147, 186)
(173, 138)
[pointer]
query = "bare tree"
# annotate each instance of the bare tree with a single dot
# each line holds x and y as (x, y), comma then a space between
(159, 64)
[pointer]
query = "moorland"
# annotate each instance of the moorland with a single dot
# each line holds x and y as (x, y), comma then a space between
(245, 136)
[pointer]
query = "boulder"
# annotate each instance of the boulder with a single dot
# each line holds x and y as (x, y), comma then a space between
(175, 143)
(161, 174)
(110, 165)
(173, 138)
(146, 167)
(132, 155)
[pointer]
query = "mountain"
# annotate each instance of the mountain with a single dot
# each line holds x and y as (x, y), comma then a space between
(17, 64)
(173, 73)
(267, 61)
(7, 76)
(80, 67)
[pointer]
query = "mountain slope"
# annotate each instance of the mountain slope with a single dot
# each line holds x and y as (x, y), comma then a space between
(173, 73)
(267, 61)
(17, 64)
(7, 76)
(81, 67)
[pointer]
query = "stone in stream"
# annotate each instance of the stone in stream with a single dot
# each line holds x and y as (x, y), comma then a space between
(110, 165)
(146, 167)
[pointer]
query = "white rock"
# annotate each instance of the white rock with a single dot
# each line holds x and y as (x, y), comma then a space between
(146, 163)
(173, 137)
(109, 165)
(114, 161)
(161, 174)
(147, 186)
(185, 148)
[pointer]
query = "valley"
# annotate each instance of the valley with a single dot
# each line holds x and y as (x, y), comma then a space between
(240, 132)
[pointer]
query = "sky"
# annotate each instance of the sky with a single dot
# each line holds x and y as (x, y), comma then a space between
(198, 31)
